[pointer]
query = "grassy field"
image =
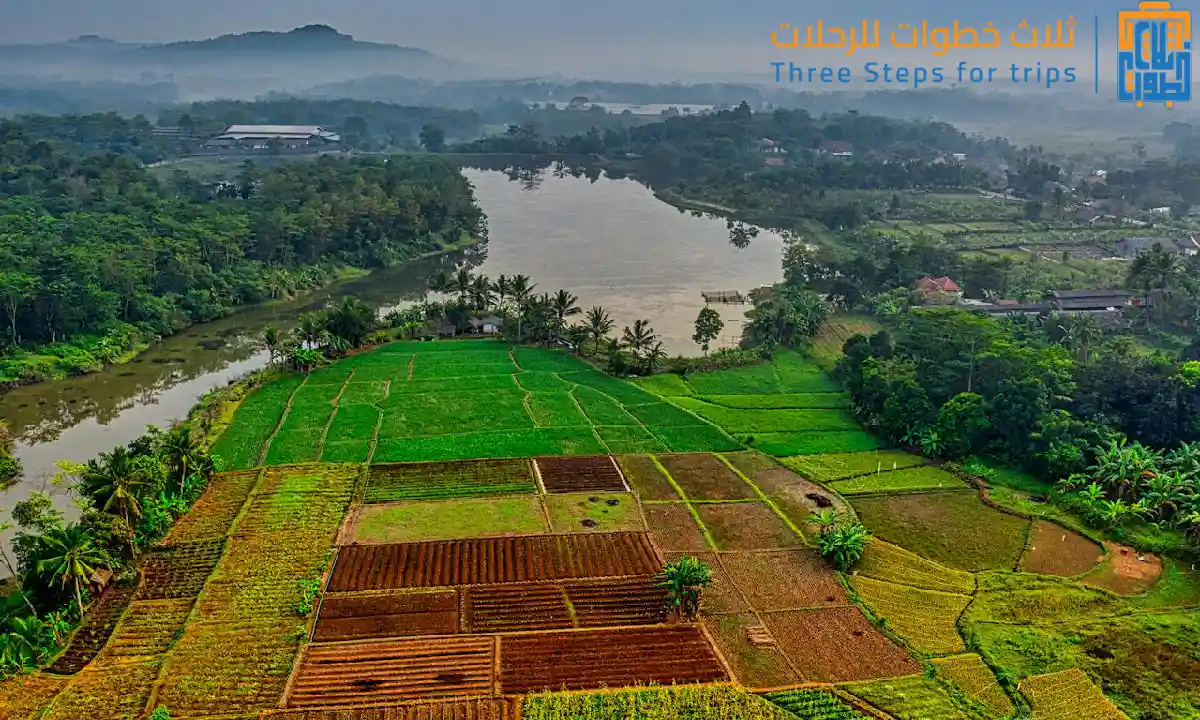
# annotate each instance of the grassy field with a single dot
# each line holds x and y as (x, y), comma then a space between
(447, 400)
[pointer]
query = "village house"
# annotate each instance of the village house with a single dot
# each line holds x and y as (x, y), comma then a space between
(940, 290)
(262, 137)
(1104, 304)
(838, 148)
(487, 325)
(770, 147)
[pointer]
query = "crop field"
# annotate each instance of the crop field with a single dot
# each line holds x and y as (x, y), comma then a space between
(839, 466)
(644, 478)
(795, 496)
(93, 633)
(435, 481)
(910, 698)
(787, 580)
(673, 528)
(476, 709)
(369, 673)
(704, 477)
(738, 421)
(890, 563)
(109, 692)
(214, 512)
(585, 659)
(148, 628)
(974, 678)
(1055, 550)
(837, 645)
(754, 664)
(747, 526)
(23, 697)
(814, 705)
(444, 520)
(178, 571)
(927, 619)
(816, 442)
(368, 407)
(694, 702)
(580, 474)
(1067, 695)
(380, 615)
(723, 596)
(588, 512)
(945, 527)
(236, 654)
(827, 345)
(492, 560)
(797, 401)
(898, 481)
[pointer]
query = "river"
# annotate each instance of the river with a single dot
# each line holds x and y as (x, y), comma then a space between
(610, 242)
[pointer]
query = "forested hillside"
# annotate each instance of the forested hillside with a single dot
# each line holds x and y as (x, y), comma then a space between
(95, 244)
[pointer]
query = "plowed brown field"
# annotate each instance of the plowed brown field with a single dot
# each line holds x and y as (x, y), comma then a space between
(837, 645)
(704, 477)
(490, 709)
(624, 601)
(355, 617)
(492, 560)
(382, 671)
(585, 473)
(607, 658)
(500, 608)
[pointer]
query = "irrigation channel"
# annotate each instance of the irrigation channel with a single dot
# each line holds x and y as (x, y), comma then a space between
(611, 242)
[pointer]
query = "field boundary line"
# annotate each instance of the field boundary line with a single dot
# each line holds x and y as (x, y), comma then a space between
(591, 425)
(612, 459)
(716, 650)
(297, 662)
(537, 476)
(525, 403)
(287, 409)
(332, 415)
(412, 362)
(687, 501)
(374, 442)
(765, 500)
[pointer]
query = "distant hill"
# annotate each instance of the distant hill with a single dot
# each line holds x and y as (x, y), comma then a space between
(307, 39)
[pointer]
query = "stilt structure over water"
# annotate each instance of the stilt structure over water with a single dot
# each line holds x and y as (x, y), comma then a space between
(725, 297)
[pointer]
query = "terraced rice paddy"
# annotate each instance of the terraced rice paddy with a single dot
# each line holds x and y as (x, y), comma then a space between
(926, 619)
(438, 481)
(93, 633)
(974, 678)
(1067, 694)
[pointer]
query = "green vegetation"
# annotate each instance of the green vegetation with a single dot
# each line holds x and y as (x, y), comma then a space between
(814, 705)
(917, 698)
(975, 679)
(884, 561)
(826, 468)
(684, 580)
(593, 512)
(927, 619)
(449, 520)
(916, 478)
(703, 702)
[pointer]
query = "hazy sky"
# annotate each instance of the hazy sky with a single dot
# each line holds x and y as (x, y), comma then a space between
(707, 36)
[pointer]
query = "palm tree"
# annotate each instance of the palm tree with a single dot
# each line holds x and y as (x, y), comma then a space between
(521, 290)
(308, 332)
(441, 282)
(655, 356)
(273, 341)
(483, 294)
(351, 319)
(598, 324)
(564, 305)
(640, 337)
(184, 454)
(114, 482)
(462, 283)
(502, 288)
(843, 544)
(684, 579)
(72, 559)
(825, 518)
(1080, 333)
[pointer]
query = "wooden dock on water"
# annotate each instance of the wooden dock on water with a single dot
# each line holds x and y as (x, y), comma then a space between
(725, 297)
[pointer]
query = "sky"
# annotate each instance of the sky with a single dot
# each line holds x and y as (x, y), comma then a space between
(575, 37)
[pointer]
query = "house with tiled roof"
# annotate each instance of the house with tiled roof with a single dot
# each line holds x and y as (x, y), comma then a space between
(939, 290)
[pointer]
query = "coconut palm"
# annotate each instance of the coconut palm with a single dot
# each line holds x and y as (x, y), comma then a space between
(521, 289)
(184, 454)
(442, 282)
(350, 319)
(684, 579)
(483, 293)
(638, 338)
(72, 558)
(273, 341)
(564, 305)
(308, 332)
(503, 288)
(598, 324)
(115, 483)
(462, 283)
(655, 356)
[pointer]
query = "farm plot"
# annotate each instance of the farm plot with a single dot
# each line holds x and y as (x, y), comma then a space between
(508, 608)
(369, 673)
(747, 526)
(619, 601)
(693, 702)
(945, 527)
(795, 496)
(211, 515)
(492, 560)
(695, 438)
(814, 705)
(827, 345)
(377, 615)
(236, 654)
(148, 628)
(621, 439)
(111, 692)
(434, 481)
(887, 562)
(794, 401)
(674, 528)
(600, 512)
(616, 657)
(910, 698)
(477, 709)
(927, 619)
(702, 476)
(738, 421)
(747, 380)
(1067, 695)
(445, 520)
(814, 442)
(99, 623)
(597, 473)
(448, 412)
(826, 468)
(644, 478)
(757, 662)
(1055, 550)
(255, 420)
(23, 697)
(974, 678)
(178, 571)
(529, 442)
(898, 481)
(837, 645)
(555, 409)
(788, 580)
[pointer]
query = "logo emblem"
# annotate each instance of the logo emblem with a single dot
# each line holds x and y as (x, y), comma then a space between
(1154, 54)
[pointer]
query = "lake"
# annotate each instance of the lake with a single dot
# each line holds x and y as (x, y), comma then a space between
(610, 242)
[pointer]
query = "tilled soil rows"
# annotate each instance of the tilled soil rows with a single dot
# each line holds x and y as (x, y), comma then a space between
(492, 560)
(437, 480)
(179, 571)
(583, 473)
(98, 625)
(490, 709)
(838, 645)
(500, 608)
(382, 671)
(607, 658)
(356, 617)
(623, 601)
